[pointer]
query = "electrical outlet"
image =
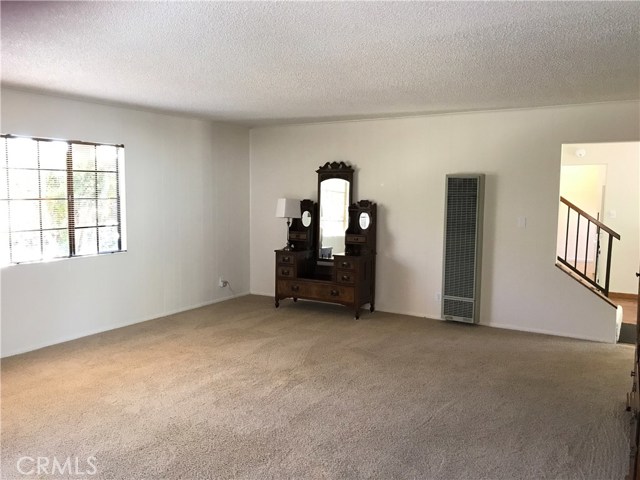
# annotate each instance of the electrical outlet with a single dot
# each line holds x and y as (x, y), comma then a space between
(222, 282)
(438, 297)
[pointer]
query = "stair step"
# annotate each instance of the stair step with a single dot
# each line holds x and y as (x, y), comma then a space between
(628, 333)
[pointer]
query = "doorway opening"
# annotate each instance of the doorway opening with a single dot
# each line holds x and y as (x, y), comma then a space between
(603, 181)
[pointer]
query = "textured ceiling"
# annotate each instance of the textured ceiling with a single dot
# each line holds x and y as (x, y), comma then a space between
(271, 62)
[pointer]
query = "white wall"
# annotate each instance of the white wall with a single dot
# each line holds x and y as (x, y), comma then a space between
(401, 164)
(621, 204)
(187, 186)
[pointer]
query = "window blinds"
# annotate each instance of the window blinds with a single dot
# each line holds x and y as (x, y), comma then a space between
(59, 198)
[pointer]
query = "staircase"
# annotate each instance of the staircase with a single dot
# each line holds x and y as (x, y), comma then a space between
(583, 251)
(583, 254)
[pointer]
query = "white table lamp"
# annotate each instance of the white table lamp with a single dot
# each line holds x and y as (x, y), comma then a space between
(288, 208)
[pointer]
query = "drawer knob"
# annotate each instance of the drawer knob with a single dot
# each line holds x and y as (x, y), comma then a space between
(345, 264)
(285, 271)
(286, 259)
(345, 278)
(295, 288)
(335, 293)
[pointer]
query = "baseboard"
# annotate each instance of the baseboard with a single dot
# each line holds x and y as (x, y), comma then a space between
(496, 325)
(427, 316)
(550, 332)
(262, 294)
(114, 326)
(198, 305)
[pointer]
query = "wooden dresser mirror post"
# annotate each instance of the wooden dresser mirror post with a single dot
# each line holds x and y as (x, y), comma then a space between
(333, 246)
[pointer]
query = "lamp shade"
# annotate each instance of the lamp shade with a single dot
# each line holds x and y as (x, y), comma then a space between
(288, 208)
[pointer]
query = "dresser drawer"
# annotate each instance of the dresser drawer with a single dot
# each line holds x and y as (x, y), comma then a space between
(286, 271)
(356, 239)
(284, 258)
(344, 263)
(297, 236)
(345, 276)
(316, 291)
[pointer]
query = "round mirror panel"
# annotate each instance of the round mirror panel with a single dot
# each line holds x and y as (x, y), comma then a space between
(306, 218)
(364, 220)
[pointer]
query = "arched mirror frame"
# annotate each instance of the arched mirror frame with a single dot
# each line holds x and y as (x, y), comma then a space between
(330, 170)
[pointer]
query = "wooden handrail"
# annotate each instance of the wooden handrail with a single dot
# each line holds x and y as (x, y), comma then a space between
(601, 227)
(593, 220)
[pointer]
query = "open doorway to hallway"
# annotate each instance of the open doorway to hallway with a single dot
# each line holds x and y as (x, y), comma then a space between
(584, 186)
(603, 181)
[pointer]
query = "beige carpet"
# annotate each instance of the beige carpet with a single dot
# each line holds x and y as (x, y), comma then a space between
(242, 390)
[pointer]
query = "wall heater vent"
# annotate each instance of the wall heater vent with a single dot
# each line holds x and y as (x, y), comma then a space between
(464, 203)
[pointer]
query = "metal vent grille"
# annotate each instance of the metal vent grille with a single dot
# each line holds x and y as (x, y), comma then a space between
(463, 227)
(462, 202)
(458, 308)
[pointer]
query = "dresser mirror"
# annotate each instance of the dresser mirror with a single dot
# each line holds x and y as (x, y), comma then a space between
(335, 182)
(333, 246)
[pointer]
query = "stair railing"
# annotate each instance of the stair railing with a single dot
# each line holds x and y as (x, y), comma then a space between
(571, 259)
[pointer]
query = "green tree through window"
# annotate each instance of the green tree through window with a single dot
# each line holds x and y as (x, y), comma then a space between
(59, 199)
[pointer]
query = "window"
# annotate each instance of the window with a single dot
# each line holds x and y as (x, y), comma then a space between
(59, 199)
